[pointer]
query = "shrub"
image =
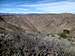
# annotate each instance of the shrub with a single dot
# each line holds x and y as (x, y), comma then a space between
(31, 44)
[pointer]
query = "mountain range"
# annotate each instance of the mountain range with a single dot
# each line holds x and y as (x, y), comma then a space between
(51, 23)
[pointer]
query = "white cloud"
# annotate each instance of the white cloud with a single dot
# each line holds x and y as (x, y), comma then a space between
(56, 7)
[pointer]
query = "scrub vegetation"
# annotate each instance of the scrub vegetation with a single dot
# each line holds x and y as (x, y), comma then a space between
(34, 44)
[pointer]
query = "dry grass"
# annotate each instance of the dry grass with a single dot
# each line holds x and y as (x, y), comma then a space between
(34, 44)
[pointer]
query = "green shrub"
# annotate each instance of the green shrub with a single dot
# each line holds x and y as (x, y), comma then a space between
(65, 34)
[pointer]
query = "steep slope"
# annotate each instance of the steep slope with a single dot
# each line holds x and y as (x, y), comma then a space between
(40, 22)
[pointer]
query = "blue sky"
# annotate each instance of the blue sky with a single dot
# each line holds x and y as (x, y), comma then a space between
(37, 6)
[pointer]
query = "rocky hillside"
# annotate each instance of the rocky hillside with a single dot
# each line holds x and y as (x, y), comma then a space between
(37, 35)
(38, 22)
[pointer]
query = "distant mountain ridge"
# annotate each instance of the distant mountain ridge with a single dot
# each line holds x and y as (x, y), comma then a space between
(20, 13)
(30, 13)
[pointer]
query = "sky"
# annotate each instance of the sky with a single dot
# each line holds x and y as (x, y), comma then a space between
(37, 6)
